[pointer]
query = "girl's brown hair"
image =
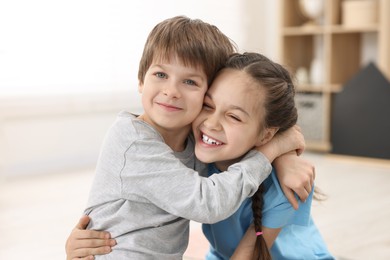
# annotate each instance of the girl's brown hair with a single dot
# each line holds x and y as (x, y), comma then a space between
(280, 112)
(194, 42)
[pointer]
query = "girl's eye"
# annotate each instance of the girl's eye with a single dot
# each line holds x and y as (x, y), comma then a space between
(236, 118)
(161, 75)
(206, 106)
(190, 82)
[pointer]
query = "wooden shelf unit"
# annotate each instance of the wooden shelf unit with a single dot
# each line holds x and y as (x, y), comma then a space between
(340, 54)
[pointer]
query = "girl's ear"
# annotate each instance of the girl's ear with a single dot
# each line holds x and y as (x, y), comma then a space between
(267, 135)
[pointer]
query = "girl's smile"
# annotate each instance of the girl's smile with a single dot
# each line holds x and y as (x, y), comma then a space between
(208, 141)
(230, 123)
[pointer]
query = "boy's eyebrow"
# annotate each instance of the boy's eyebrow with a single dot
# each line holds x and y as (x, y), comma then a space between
(157, 65)
(230, 106)
(196, 76)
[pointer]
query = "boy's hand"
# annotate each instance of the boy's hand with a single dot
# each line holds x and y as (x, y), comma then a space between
(84, 244)
(287, 141)
(295, 175)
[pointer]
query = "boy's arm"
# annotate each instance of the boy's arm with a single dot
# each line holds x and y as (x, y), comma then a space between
(227, 189)
(295, 175)
(247, 244)
(84, 244)
(163, 180)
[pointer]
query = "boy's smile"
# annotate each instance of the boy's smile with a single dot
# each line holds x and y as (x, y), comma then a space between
(168, 107)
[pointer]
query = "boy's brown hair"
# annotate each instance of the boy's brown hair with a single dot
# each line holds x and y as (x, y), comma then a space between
(194, 42)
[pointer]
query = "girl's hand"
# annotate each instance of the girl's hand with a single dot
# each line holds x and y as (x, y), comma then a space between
(84, 244)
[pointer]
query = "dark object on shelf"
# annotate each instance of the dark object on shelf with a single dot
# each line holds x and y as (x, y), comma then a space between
(361, 116)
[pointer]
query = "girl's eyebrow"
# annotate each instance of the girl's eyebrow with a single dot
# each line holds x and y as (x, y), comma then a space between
(230, 106)
(239, 108)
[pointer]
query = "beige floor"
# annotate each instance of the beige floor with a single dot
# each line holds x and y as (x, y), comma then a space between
(37, 213)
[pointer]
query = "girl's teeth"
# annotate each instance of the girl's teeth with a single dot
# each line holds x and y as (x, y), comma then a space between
(208, 140)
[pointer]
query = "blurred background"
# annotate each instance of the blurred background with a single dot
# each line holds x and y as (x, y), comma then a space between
(68, 67)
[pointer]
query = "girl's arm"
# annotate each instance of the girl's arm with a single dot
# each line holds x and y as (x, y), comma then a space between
(246, 246)
(84, 244)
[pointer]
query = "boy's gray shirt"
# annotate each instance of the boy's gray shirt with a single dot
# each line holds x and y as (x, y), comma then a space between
(144, 196)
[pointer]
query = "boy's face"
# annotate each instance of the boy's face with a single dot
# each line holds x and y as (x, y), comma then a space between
(172, 94)
(230, 121)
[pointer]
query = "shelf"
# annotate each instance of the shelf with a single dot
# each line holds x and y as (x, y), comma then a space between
(323, 88)
(319, 30)
(302, 30)
(318, 146)
(309, 88)
(349, 29)
(337, 52)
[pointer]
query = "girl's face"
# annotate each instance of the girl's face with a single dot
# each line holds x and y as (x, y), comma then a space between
(231, 120)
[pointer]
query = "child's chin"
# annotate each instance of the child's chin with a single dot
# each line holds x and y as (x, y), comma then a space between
(203, 158)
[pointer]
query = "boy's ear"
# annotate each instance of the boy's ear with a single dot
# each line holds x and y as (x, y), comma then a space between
(140, 86)
(267, 136)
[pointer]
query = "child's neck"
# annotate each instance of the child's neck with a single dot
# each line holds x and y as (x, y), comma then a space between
(224, 165)
(176, 139)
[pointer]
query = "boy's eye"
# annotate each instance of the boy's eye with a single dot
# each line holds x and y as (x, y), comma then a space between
(190, 82)
(161, 75)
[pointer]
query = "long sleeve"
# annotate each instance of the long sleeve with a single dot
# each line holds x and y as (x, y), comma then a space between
(164, 181)
(143, 194)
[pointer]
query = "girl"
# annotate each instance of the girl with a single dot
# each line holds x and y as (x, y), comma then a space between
(251, 100)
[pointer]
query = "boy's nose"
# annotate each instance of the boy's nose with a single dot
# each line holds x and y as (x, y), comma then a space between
(171, 90)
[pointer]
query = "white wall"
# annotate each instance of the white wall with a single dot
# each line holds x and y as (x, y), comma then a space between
(78, 46)
(67, 67)
(55, 133)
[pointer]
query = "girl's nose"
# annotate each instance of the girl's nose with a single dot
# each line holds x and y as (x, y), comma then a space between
(212, 122)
